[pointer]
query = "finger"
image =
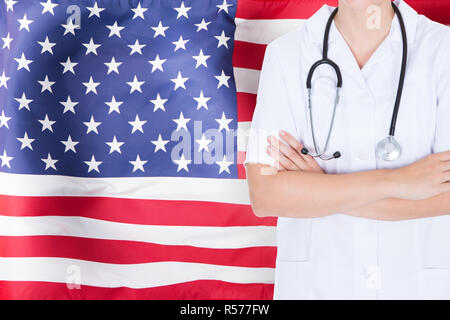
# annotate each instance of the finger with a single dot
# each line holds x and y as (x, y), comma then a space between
(289, 152)
(307, 161)
(282, 159)
(446, 176)
(443, 156)
(292, 141)
(445, 166)
(445, 187)
(280, 166)
(298, 146)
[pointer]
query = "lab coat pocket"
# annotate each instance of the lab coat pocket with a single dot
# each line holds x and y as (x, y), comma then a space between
(434, 237)
(293, 239)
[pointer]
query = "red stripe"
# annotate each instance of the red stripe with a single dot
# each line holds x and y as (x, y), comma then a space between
(248, 55)
(246, 106)
(279, 9)
(241, 168)
(146, 212)
(437, 10)
(194, 290)
(130, 252)
(241, 171)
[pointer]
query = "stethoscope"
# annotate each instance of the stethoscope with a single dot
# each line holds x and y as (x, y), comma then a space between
(387, 149)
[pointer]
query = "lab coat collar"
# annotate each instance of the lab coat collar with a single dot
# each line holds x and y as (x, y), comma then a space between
(316, 24)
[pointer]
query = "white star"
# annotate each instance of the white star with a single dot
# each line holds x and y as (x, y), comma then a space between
(157, 63)
(159, 103)
(47, 124)
(25, 23)
(135, 85)
(202, 100)
(113, 66)
(69, 105)
(69, 27)
(7, 41)
(139, 11)
(68, 65)
(10, 5)
(222, 40)
(201, 59)
(24, 102)
(223, 122)
(114, 145)
(179, 81)
(46, 45)
(23, 62)
(224, 165)
(182, 163)
(93, 164)
(48, 7)
(91, 86)
(49, 162)
(224, 6)
(160, 30)
(92, 125)
(46, 84)
(70, 144)
(136, 47)
(203, 143)
(91, 47)
(5, 159)
(114, 30)
(113, 105)
(223, 80)
(3, 80)
(182, 10)
(181, 122)
(95, 10)
(26, 142)
(137, 124)
(138, 164)
(180, 44)
(4, 120)
(160, 144)
(202, 25)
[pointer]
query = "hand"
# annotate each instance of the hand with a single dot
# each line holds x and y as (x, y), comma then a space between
(288, 157)
(424, 178)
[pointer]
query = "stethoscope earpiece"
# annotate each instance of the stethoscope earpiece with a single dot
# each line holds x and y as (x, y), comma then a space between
(337, 155)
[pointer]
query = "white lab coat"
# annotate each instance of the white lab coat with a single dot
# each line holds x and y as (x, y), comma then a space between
(339, 256)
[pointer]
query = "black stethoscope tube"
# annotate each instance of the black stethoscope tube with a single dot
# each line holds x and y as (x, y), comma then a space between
(327, 61)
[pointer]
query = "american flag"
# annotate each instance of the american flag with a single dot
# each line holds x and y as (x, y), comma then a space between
(123, 127)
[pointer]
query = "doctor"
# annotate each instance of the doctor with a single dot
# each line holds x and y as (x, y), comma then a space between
(369, 218)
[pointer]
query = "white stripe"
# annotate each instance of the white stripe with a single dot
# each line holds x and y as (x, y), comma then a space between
(199, 236)
(158, 188)
(243, 134)
(247, 80)
(143, 275)
(264, 31)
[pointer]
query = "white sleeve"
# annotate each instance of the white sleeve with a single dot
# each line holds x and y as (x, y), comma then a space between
(272, 112)
(442, 136)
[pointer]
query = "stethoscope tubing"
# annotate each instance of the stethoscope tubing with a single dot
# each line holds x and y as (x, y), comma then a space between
(326, 61)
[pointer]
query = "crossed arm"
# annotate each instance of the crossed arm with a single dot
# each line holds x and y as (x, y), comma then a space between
(297, 187)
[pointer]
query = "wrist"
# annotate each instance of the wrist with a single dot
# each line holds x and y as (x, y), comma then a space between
(390, 183)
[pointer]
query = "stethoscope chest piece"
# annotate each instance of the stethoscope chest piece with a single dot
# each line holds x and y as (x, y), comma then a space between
(388, 149)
